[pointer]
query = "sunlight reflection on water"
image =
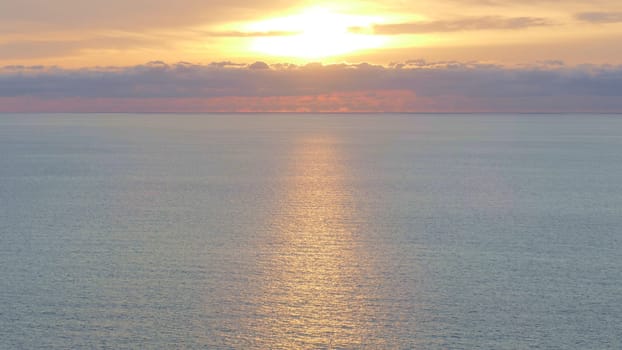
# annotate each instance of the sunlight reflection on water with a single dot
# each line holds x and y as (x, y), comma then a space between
(312, 293)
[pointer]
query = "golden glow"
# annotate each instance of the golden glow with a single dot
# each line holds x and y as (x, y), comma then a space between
(316, 33)
(315, 289)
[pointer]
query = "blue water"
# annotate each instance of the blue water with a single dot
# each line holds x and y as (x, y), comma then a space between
(311, 231)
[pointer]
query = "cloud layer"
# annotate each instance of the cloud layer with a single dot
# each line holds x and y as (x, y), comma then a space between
(412, 86)
(600, 17)
(461, 24)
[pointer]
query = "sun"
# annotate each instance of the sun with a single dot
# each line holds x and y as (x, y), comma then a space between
(315, 33)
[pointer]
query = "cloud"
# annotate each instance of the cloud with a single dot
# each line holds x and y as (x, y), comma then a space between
(28, 49)
(239, 34)
(223, 64)
(416, 85)
(460, 24)
(600, 17)
(259, 65)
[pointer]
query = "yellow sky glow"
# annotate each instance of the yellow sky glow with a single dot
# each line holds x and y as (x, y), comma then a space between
(315, 33)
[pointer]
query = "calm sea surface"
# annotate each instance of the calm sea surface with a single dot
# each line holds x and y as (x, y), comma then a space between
(311, 231)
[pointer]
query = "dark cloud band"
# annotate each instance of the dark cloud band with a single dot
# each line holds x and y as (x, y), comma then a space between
(496, 86)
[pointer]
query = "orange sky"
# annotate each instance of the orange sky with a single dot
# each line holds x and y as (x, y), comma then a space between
(75, 33)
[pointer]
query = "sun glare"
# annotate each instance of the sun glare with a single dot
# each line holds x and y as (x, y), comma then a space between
(315, 33)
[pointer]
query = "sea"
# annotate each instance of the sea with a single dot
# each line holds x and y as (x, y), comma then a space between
(310, 231)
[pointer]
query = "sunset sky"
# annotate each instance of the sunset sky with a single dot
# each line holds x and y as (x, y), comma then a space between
(426, 56)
